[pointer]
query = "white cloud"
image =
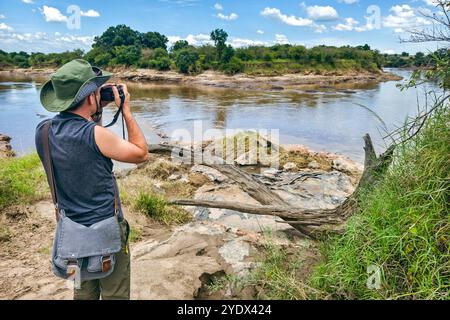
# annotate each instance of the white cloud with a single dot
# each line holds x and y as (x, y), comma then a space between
(28, 1)
(239, 42)
(90, 13)
(431, 2)
(404, 17)
(322, 13)
(232, 16)
(52, 14)
(44, 42)
(348, 25)
(290, 20)
(319, 28)
(218, 6)
(281, 39)
(259, 32)
(2, 16)
(195, 40)
(5, 27)
(388, 51)
(348, 1)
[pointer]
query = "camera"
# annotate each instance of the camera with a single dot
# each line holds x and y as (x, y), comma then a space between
(107, 94)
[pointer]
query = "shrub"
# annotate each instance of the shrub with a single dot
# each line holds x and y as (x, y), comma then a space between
(158, 209)
(234, 66)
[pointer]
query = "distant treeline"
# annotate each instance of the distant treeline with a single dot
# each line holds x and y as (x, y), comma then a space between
(420, 59)
(123, 46)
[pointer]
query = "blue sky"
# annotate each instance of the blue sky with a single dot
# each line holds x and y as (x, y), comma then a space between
(42, 25)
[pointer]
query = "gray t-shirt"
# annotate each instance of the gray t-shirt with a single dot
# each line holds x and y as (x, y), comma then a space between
(84, 179)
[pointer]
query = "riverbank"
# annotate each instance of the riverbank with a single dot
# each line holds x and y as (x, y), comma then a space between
(220, 80)
(202, 251)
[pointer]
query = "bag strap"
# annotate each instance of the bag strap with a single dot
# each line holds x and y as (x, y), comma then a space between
(48, 165)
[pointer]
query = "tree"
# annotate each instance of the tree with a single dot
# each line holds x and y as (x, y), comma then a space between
(120, 35)
(219, 36)
(227, 54)
(420, 59)
(185, 60)
(98, 56)
(153, 40)
(297, 53)
(126, 55)
(234, 66)
(180, 44)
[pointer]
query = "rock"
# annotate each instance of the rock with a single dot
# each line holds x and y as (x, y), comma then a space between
(174, 177)
(314, 165)
(184, 178)
(175, 268)
(270, 173)
(212, 174)
(319, 189)
(290, 166)
(157, 188)
(5, 147)
(247, 159)
(234, 252)
(244, 222)
(4, 138)
(347, 166)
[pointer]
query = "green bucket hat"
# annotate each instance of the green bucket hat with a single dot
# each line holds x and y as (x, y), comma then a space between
(70, 84)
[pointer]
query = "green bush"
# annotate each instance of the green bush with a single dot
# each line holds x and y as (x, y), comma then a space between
(186, 61)
(125, 55)
(234, 66)
(160, 64)
(158, 209)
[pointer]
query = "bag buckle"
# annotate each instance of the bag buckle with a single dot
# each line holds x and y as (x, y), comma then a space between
(106, 263)
(73, 272)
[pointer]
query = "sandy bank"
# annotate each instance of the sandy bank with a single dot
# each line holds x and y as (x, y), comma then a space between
(220, 80)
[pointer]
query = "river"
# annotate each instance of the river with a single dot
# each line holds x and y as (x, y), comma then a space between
(324, 119)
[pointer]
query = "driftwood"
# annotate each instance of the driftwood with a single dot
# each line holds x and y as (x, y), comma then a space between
(311, 222)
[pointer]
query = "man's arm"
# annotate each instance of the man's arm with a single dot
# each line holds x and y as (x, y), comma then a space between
(134, 150)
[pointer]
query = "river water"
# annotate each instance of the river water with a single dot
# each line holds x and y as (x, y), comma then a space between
(324, 119)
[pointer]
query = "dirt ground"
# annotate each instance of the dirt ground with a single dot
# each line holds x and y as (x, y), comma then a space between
(25, 248)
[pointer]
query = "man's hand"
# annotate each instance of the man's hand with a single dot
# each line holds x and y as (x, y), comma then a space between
(134, 150)
(126, 104)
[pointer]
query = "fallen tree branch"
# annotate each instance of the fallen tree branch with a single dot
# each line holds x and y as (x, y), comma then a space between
(311, 222)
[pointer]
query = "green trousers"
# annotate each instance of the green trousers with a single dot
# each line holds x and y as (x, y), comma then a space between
(116, 286)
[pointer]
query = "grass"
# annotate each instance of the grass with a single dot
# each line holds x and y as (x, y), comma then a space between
(402, 227)
(135, 235)
(278, 275)
(5, 234)
(157, 208)
(22, 180)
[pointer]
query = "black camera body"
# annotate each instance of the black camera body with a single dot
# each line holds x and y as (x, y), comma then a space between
(107, 94)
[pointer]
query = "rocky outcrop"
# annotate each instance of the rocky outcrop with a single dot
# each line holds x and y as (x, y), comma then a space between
(176, 268)
(5, 147)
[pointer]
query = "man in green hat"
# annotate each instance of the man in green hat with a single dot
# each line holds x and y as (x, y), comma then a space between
(81, 152)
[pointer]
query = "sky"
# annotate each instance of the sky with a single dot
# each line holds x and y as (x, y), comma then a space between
(56, 26)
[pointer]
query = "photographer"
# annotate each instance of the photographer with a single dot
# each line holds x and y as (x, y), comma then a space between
(76, 152)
